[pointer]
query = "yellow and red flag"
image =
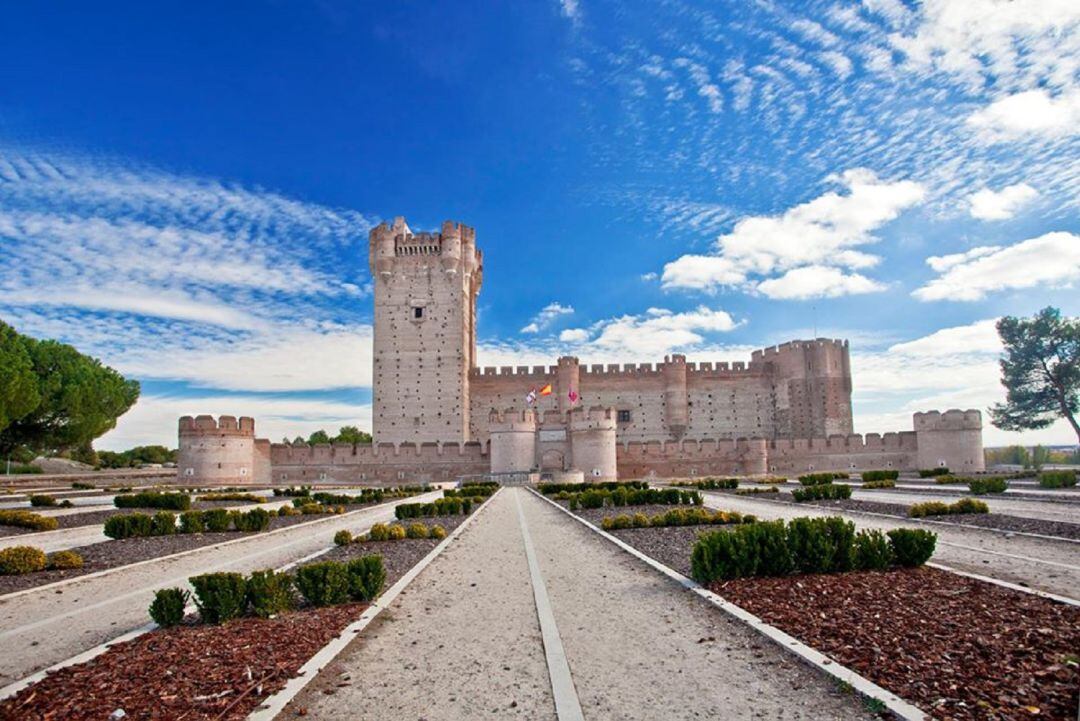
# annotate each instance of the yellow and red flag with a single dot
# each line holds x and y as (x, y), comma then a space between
(546, 390)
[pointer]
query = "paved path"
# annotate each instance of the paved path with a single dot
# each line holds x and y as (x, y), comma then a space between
(43, 627)
(1068, 512)
(1047, 565)
(464, 641)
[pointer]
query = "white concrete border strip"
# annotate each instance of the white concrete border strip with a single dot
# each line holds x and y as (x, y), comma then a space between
(815, 658)
(1007, 584)
(247, 537)
(567, 706)
(275, 704)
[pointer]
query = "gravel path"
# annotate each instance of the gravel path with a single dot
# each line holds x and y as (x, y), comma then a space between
(43, 627)
(1049, 510)
(464, 643)
(1047, 565)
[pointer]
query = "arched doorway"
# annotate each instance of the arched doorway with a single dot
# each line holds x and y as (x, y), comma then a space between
(552, 460)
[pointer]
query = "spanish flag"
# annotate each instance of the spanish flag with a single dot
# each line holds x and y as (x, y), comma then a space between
(546, 390)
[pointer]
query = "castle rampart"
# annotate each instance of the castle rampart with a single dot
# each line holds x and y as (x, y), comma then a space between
(218, 451)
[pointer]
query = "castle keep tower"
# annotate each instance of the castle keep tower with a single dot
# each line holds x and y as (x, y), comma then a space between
(812, 388)
(425, 331)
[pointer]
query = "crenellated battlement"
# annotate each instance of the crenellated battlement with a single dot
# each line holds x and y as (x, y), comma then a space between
(518, 371)
(206, 425)
(853, 443)
(511, 420)
(953, 419)
(595, 417)
(800, 346)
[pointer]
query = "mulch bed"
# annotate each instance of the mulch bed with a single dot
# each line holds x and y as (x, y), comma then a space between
(954, 646)
(193, 672)
(199, 673)
(120, 552)
(93, 518)
(997, 521)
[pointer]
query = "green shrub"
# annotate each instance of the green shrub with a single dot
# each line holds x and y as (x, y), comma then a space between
(269, 593)
(217, 520)
(933, 472)
(767, 542)
(129, 525)
(80, 486)
(594, 498)
(819, 479)
(812, 547)
(220, 597)
(416, 530)
(192, 522)
(886, 483)
(247, 497)
(396, 532)
(38, 500)
(366, 577)
(717, 484)
(324, 584)
(26, 519)
(163, 523)
(721, 556)
(754, 491)
(343, 538)
(969, 505)
(17, 560)
(872, 550)
(437, 532)
(65, 561)
(288, 511)
(880, 475)
(640, 520)
(842, 534)
(26, 468)
(167, 608)
(827, 491)
(253, 521)
(379, 532)
(618, 497)
(154, 499)
(1057, 479)
(990, 484)
(948, 478)
(912, 546)
(929, 508)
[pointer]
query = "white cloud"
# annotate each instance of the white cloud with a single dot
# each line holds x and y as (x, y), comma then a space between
(547, 315)
(571, 9)
(941, 263)
(1029, 113)
(153, 419)
(659, 330)
(841, 64)
(978, 337)
(1003, 204)
(823, 232)
(706, 88)
(816, 281)
(574, 335)
(1050, 260)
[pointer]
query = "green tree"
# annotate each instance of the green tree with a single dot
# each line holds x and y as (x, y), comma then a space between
(1040, 371)
(18, 384)
(299, 441)
(352, 434)
(319, 436)
(79, 399)
(1040, 456)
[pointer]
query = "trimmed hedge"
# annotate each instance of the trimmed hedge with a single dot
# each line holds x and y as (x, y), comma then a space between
(167, 608)
(884, 483)
(1057, 479)
(39, 500)
(880, 475)
(933, 472)
(804, 545)
(439, 507)
(598, 498)
(28, 519)
(253, 521)
(937, 508)
(549, 489)
(269, 593)
(65, 561)
(948, 478)
(675, 517)
(827, 491)
(819, 479)
(752, 491)
(990, 484)
(216, 520)
(154, 499)
(163, 523)
(324, 584)
(472, 490)
(249, 497)
(220, 597)
(366, 577)
(17, 560)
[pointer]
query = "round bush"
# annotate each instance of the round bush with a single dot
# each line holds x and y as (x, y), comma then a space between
(65, 560)
(417, 530)
(42, 500)
(379, 532)
(396, 532)
(437, 532)
(343, 538)
(21, 559)
(167, 608)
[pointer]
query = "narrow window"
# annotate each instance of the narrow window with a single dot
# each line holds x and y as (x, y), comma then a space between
(418, 312)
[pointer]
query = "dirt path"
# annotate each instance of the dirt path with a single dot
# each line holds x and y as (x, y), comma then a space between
(45, 626)
(637, 646)
(1052, 566)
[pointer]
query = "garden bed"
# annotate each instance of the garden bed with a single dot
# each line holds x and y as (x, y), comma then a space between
(204, 672)
(956, 647)
(997, 521)
(121, 552)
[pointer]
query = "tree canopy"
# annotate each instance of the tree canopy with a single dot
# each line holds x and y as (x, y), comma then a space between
(56, 398)
(346, 434)
(1040, 371)
(136, 456)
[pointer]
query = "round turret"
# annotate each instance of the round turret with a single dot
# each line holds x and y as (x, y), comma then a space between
(952, 440)
(216, 451)
(513, 441)
(451, 247)
(592, 443)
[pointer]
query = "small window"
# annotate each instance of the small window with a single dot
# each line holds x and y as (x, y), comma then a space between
(417, 313)
(623, 416)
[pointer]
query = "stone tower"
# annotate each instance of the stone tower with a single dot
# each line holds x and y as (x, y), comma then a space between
(812, 387)
(425, 331)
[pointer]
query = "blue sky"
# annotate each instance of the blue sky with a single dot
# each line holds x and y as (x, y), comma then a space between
(186, 189)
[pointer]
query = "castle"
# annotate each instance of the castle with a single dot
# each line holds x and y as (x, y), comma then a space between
(438, 416)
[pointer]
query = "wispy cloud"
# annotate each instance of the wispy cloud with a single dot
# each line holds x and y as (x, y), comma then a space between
(547, 316)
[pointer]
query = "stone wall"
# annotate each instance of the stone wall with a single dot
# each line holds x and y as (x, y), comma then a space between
(383, 464)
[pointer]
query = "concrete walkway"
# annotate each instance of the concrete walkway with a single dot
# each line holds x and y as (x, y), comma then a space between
(1046, 565)
(42, 627)
(464, 642)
